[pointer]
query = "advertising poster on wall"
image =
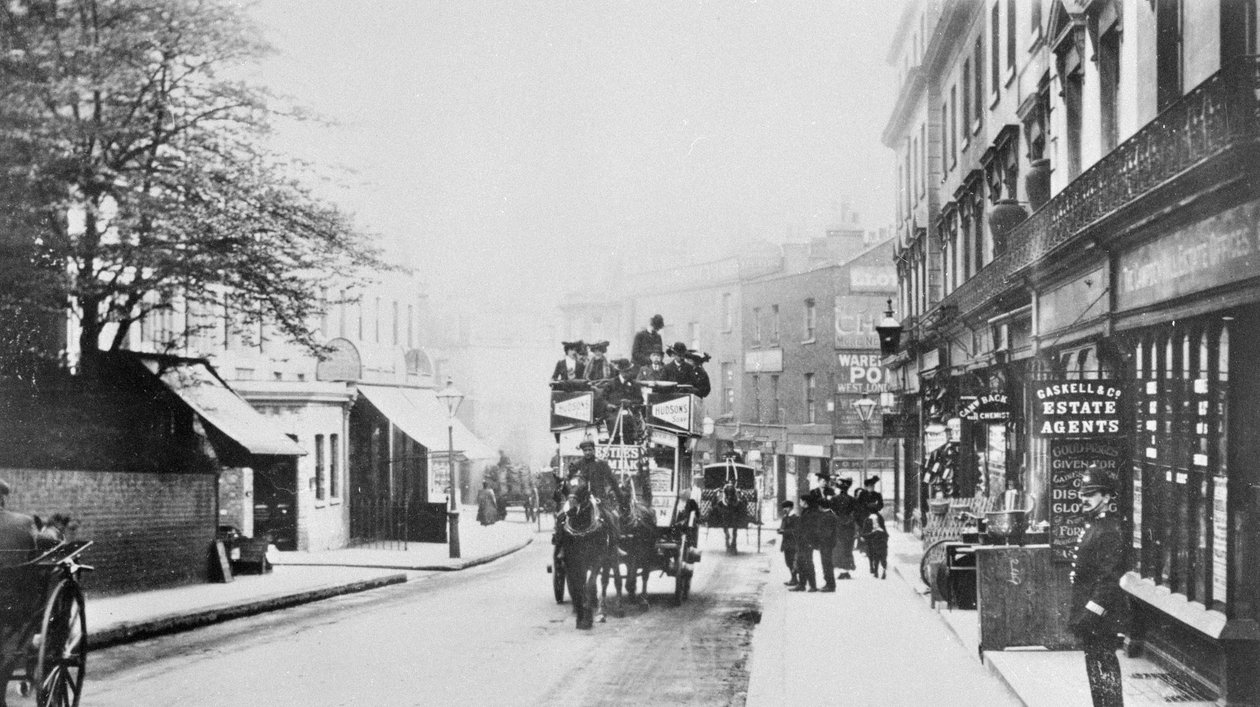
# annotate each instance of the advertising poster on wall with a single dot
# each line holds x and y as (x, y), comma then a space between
(1081, 422)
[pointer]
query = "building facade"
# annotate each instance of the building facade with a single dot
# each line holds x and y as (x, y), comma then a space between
(1091, 247)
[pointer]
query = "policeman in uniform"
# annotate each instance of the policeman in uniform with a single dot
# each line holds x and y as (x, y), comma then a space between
(1098, 603)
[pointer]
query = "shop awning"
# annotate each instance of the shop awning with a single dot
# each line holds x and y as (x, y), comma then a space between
(415, 421)
(220, 406)
(425, 399)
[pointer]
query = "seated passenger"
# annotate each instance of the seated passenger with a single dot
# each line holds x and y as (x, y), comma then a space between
(598, 368)
(569, 368)
(655, 370)
(677, 369)
(699, 376)
(19, 534)
(621, 396)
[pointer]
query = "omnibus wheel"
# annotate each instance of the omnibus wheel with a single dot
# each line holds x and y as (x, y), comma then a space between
(682, 579)
(62, 656)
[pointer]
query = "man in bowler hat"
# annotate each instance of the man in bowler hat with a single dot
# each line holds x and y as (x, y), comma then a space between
(1099, 606)
(647, 341)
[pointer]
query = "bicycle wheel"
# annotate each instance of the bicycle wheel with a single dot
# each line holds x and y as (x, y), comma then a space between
(933, 558)
(62, 657)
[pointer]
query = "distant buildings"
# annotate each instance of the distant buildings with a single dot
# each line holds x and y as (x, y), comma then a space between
(790, 333)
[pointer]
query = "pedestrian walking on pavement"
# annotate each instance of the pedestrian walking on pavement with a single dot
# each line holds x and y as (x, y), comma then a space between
(788, 528)
(845, 507)
(487, 505)
(823, 528)
(806, 580)
(875, 533)
(1099, 607)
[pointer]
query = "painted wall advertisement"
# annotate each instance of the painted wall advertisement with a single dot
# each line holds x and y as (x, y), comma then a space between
(1080, 421)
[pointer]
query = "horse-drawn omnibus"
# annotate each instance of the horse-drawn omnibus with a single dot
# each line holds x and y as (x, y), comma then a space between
(730, 500)
(649, 451)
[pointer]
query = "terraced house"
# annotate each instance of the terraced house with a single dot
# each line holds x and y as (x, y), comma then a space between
(1078, 201)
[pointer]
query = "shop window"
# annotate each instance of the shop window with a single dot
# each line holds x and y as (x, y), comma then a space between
(1179, 461)
(334, 465)
(319, 467)
(811, 319)
(810, 390)
(756, 398)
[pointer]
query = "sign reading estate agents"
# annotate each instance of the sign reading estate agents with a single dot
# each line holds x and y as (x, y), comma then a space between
(1080, 420)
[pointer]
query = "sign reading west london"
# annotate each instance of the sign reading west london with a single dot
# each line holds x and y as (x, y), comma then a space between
(861, 372)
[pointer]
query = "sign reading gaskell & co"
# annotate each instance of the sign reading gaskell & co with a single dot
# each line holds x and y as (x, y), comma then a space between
(1077, 408)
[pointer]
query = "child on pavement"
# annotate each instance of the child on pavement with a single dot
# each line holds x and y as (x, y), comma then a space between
(875, 533)
(788, 528)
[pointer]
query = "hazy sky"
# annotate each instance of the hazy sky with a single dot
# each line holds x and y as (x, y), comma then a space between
(503, 145)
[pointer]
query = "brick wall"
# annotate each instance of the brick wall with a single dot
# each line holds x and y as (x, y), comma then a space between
(151, 530)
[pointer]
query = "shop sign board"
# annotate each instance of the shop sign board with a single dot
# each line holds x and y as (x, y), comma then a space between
(621, 458)
(1080, 421)
(676, 414)
(664, 439)
(1079, 408)
(861, 372)
(439, 476)
(855, 319)
(570, 409)
(989, 407)
(664, 491)
(1218, 250)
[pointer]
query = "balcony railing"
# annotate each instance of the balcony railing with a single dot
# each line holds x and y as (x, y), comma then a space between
(1218, 114)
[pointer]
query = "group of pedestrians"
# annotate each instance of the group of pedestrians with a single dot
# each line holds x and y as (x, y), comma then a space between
(829, 520)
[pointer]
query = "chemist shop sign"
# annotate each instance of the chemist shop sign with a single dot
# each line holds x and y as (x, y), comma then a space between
(1080, 421)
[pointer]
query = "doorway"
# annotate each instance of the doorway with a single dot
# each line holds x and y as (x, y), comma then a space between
(275, 502)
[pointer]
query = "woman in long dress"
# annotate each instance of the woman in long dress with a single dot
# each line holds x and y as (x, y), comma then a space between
(487, 505)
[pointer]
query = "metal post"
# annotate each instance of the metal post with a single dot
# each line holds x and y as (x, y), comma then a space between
(452, 514)
(865, 454)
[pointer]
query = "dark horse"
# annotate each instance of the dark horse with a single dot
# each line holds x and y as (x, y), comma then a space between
(585, 539)
(638, 540)
(728, 512)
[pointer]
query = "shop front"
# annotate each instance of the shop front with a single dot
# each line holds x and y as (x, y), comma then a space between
(1188, 323)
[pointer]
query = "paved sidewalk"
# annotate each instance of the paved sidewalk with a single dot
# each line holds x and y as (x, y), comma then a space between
(478, 544)
(297, 578)
(1038, 676)
(845, 648)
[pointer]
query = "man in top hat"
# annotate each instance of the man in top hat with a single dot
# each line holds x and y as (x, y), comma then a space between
(1099, 607)
(598, 367)
(569, 368)
(622, 394)
(647, 341)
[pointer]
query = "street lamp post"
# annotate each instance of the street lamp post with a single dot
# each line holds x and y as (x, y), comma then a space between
(864, 407)
(452, 398)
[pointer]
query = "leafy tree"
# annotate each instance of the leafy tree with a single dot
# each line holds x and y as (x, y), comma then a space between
(135, 172)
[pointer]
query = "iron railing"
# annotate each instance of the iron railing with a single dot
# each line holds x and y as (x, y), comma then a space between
(1217, 115)
(380, 523)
